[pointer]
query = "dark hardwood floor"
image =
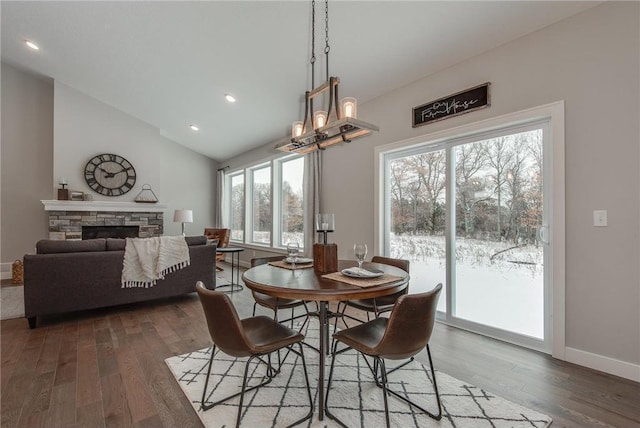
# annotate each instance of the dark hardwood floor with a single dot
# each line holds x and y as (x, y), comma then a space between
(105, 368)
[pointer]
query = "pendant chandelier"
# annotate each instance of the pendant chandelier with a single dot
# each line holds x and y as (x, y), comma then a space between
(338, 122)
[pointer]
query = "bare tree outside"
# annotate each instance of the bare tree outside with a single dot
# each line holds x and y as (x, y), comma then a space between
(498, 210)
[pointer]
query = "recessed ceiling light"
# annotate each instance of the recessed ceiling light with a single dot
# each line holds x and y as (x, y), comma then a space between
(32, 45)
(194, 127)
(230, 98)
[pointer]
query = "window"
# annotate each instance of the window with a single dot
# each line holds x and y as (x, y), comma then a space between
(237, 207)
(292, 201)
(268, 211)
(261, 205)
(472, 212)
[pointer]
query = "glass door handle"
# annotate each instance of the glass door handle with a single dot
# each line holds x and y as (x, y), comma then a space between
(543, 234)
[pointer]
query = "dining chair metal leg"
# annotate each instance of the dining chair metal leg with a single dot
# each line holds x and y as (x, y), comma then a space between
(383, 375)
(380, 375)
(334, 352)
(437, 416)
(306, 378)
(271, 372)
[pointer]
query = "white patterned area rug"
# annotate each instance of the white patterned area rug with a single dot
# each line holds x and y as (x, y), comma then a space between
(354, 397)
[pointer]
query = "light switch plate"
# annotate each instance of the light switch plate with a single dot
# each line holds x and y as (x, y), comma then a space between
(600, 218)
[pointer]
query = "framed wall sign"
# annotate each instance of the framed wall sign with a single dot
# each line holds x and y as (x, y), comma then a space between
(453, 105)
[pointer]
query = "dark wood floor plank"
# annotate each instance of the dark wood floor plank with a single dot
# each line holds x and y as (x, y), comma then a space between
(88, 376)
(62, 409)
(173, 408)
(114, 402)
(90, 416)
(135, 388)
(67, 368)
(107, 363)
(48, 359)
(36, 406)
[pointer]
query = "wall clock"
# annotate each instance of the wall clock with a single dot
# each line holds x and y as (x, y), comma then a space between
(109, 174)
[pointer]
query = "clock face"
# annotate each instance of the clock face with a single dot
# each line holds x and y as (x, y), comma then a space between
(110, 175)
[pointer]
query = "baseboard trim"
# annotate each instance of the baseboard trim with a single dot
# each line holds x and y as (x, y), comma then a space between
(5, 270)
(604, 364)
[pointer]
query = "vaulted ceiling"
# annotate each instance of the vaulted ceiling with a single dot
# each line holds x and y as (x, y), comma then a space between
(171, 63)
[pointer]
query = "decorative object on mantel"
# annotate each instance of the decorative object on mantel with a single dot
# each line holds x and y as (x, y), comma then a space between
(183, 216)
(76, 196)
(323, 128)
(146, 195)
(63, 192)
(109, 174)
(325, 256)
(453, 105)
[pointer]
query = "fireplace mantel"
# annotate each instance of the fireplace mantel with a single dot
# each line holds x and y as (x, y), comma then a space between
(102, 206)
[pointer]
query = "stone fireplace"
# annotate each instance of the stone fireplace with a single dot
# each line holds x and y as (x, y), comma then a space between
(67, 218)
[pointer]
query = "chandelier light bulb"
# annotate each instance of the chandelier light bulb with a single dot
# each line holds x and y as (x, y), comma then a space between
(296, 129)
(349, 107)
(319, 119)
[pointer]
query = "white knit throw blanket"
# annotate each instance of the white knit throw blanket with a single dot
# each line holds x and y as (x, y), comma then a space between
(146, 260)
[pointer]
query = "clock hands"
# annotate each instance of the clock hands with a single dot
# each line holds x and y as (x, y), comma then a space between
(111, 174)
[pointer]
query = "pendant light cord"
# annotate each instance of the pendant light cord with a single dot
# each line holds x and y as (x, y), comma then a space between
(313, 43)
(327, 48)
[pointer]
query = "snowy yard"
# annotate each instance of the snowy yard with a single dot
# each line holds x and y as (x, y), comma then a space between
(499, 288)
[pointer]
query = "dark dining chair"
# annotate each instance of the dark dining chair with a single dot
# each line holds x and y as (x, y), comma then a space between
(379, 305)
(275, 303)
(403, 335)
(252, 337)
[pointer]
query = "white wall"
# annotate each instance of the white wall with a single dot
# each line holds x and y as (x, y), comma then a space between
(85, 127)
(26, 161)
(592, 61)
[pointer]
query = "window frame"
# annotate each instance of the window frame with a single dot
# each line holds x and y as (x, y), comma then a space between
(554, 162)
(276, 201)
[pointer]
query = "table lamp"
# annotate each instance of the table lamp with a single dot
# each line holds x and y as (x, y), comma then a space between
(183, 216)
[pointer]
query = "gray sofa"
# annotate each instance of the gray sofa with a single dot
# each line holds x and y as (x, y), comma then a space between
(66, 276)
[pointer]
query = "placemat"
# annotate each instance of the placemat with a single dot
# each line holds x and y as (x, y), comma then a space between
(286, 265)
(362, 282)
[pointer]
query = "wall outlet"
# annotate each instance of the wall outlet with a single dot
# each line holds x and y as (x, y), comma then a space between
(600, 218)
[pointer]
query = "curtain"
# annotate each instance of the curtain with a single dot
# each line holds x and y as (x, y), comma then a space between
(220, 212)
(312, 182)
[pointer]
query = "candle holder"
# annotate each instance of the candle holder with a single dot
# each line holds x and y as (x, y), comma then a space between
(63, 192)
(325, 255)
(325, 223)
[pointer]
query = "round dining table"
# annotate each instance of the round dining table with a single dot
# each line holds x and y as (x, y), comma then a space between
(308, 285)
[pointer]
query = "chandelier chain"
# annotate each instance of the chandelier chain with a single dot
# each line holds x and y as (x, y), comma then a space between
(327, 48)
(313, 42)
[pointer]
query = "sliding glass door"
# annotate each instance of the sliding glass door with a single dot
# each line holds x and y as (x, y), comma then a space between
(471, 213)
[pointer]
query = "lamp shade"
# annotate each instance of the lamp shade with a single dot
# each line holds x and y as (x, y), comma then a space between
(183, 216)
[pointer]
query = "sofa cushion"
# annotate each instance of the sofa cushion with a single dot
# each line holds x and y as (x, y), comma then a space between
(115, 244)
(50, 246)
(196, 240)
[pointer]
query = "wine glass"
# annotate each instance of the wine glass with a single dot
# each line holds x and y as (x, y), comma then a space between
(360, 251)
(292, 251)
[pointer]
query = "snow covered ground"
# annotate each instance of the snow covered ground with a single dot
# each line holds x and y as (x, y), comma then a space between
(499, 289)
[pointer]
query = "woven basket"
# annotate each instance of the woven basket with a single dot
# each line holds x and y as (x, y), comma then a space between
(17, 272)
